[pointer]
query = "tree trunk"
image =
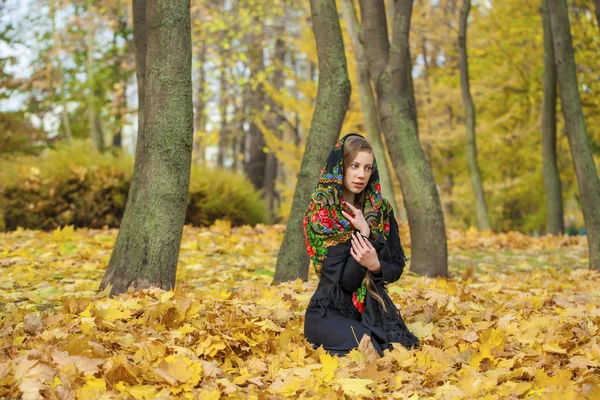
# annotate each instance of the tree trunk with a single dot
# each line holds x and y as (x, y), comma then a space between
(273, 123)
(256, 159)
(95, 135)
(223, 104)
(483, 219)
(67, 124)
(390, 70)
(597, 7)
(367, 101)
(427, 93)
(140, 39)
(555, 219)
(199, 108)
(121, 103)
(147, 246)
(333, 97)
(585, 169)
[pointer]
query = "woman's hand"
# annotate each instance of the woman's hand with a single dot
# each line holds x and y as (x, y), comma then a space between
(364, 253)
(358, 221)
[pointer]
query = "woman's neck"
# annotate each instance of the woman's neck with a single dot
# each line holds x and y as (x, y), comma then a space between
(349, 197)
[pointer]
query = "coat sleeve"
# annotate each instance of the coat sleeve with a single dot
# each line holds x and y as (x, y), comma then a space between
(353, 274)
(391, 254)
(341, 268)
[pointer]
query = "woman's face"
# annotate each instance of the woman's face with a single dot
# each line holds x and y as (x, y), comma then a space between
(358, 172)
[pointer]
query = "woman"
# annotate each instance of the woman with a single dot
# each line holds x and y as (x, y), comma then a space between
(353, 242)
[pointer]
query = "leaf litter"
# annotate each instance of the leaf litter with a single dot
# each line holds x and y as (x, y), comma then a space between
(518, 318)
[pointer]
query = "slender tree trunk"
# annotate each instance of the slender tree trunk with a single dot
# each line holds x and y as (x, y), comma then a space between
(273, 123)
(147, 246)
(140, 39)
(333, 97)
(367, 101)
(597, 9)
(427, 92)
(555, 219)
(585, 169)
(390, 70)
(391, 11)
(94, 132)
(121, 105)
(199, 109)
(483, 219)
(67, 124)
(257, 158)
(223, 104)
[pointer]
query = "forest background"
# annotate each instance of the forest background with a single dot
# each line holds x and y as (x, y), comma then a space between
(68, 74)
(505, 314)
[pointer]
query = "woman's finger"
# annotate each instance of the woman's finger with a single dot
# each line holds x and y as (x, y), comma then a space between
(354, 254)
(348, 216)
(359, 243)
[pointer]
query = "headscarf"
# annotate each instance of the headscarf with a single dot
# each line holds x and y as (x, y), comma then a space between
(324, 224)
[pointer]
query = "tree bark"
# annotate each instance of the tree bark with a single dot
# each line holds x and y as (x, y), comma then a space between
(483, 219)
(585, 169)
(367, 101)
(256, 159)
(597, 9)
(333, 97)
(147, 246)
(95, 134)
(223, 104)
(199, 108)
(390, 70)
(273, 123)
(140, 40)
(555, 219)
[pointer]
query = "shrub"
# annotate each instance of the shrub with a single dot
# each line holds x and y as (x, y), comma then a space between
(75, 186)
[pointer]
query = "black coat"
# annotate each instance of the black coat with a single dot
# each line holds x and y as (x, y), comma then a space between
(334, 322)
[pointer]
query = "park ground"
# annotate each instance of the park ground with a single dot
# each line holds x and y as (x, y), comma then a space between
(518, 318)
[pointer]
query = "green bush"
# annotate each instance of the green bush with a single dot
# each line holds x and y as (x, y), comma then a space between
(75, 186)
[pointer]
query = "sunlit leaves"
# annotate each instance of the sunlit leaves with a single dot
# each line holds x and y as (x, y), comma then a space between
(518, 318)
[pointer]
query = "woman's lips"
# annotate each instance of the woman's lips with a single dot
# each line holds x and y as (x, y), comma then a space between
(359, 185)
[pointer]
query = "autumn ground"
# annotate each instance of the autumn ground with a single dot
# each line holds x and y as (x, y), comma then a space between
(519, 318)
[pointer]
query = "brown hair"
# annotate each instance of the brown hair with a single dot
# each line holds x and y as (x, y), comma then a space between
(352, 146)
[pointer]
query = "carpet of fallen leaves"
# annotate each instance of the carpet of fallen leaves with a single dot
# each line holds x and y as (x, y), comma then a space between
(518, 318)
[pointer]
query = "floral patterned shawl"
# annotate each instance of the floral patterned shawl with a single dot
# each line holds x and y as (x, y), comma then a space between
(324, 224)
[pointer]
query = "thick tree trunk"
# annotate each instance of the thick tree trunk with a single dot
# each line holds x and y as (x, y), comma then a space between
(95, 134)
(390, 70)
(483, 219)
(585, 169)
(367, 101)
(555, 219)
(147, 246)
(597, 7)
(333, 97)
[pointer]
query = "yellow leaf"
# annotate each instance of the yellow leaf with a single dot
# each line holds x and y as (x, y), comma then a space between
(139, 392)
(356, 387)
(330, 364)
(210, 395)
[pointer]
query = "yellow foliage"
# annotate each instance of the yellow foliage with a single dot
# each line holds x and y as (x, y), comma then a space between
(518, 318)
